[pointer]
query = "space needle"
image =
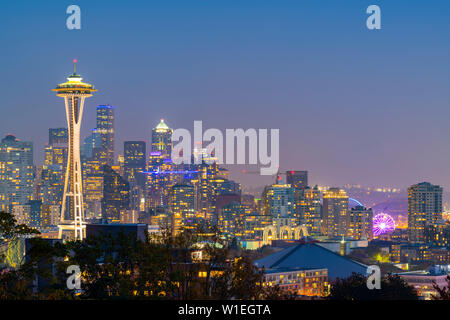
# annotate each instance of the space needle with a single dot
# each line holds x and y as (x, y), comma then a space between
(74, 92)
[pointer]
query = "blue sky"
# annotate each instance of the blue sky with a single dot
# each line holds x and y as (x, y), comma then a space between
(352, 105)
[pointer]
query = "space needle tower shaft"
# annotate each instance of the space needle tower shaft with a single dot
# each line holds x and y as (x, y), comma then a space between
(74, 92)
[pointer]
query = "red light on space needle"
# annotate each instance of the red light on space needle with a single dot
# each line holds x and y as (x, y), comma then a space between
(74, 60)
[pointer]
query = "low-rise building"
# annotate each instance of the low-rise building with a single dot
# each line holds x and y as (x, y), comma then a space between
(424, 280)
(298, 281)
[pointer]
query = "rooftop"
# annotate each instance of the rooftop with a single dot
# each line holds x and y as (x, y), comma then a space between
(312, 256)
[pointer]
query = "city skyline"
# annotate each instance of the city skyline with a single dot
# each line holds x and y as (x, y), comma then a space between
(225, 151)
(347, 118)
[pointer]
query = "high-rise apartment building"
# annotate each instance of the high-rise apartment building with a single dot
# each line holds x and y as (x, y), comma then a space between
(335, 213)
(181, 206)
(231, 220)
(424, 207)
(16, 172)
(297, 179)
(279, 201)
(309, 209)
(360, 223)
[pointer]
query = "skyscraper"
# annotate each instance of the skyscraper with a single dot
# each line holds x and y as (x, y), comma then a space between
(360, 223)
(424, 207)
(335, 213)
(297, 179)
(162, 139)
(105, 128)
(16, 172)
(309, 209)
(181, 206)
(54, 168)
(279, 201)
(74, 92)
(91, 143)
(134, 161)
(231, 220)
(116, 195)
(58, 136)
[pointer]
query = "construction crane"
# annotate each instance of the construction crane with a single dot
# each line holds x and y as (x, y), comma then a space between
(278, 174)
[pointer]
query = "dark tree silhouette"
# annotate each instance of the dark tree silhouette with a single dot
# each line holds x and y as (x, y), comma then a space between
(393, 287)
(444, 292)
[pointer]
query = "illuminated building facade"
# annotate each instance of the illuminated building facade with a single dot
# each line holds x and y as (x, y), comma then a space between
(105, 129)
(58, 136)
(181, 206)
(423, 281)
(438, 233)
(360, 224)
(116, 195)
(21, 213)
(309, 282)
(279, 201)
(424, 207)
(134, 164)
(297, 179)
(205, 190)
(91, 143)
(159, 178)
(134, 161)
(54, 168)
(255, 224)
(93, 183)
(335, 213)
(74, 92)
(162, 139)
(309, 209)
(16, 172)
(232, 220)
(50, 215)
(35, 213)
(224, 186)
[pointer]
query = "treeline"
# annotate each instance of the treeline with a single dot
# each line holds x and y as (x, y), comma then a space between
(185, 266)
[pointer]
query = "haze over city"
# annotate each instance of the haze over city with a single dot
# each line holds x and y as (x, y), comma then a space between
(352, 106)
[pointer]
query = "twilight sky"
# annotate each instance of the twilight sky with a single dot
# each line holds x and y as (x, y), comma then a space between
(352, 105)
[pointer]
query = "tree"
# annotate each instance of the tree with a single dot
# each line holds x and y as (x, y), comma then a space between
(10, 232)
(393, 287)
(443, 292)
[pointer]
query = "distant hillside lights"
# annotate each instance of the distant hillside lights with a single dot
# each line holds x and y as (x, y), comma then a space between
(258, 149)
